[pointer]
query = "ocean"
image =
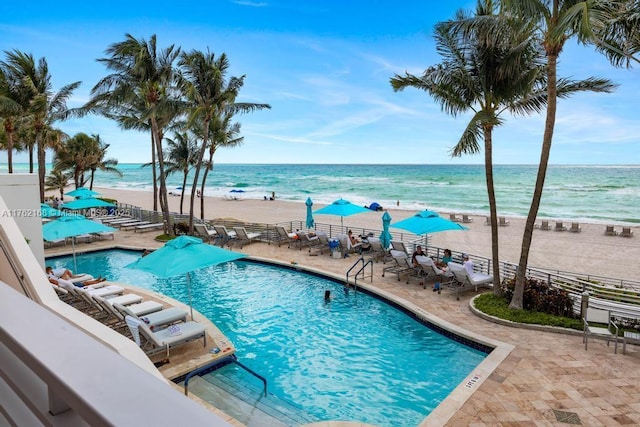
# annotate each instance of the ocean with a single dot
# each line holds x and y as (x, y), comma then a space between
(582, 193)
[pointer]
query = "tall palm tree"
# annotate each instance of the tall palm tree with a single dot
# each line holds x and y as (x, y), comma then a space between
(58, 180)
(98, 161)
(223, 134)
(77, 155)
(180, 158)
(13, 103)
(142, 81)
(45, 106)
(487, 70)
(556, 22)
(619, 36)
(208, 93)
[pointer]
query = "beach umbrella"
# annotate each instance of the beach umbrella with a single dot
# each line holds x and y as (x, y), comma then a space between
(82, 192)
(47, 211)
(86, 203)
(310, 221)
(236, 191)
(426, 222)
(72, 226)
(385, 236)
(341, 208)
(183, 255)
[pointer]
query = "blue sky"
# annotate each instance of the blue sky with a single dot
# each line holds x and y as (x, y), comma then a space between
(324, 67)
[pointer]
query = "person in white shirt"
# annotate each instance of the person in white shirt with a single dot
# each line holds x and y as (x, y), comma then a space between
(468, 264)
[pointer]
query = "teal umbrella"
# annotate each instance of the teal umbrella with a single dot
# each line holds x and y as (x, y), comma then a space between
(183, 255)
(342, 208)
(47, 211)
(82, 192)
(310, 221)
(385, 236)
(86, 203)
(426, 222)
(72, 226)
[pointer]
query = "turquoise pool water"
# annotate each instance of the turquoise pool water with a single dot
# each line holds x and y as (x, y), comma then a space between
(355, 358)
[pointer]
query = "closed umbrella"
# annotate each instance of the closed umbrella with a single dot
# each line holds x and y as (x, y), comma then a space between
(385, 236)
(82, 192)
(86, 203)
(426, 222)
(72, 226)
(310, 221)
(342, 208)
(183, 255)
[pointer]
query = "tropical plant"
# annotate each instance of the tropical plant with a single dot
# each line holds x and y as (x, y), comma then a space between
(487, 70)
(208, 94)
(98, 161)
(556, 22)
(13, 103)
(180, 158)
(57, 180)
(77, 155)
(141, 86)
(45, 107)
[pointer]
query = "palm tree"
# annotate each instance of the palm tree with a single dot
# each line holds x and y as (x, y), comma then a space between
(98, 161)
(487, 69)
(77, 155)
(45, 107)
(620, 35)
(208, 93)
(141, 83)
(180, 158)
(556, 22)
(13, 103)
(58, 179)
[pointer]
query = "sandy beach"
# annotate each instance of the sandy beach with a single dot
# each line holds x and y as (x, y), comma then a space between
(589, 252)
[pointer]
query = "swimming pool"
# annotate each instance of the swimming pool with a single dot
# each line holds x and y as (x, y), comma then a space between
(355, 358)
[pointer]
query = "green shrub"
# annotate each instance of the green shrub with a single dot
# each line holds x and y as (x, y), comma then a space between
(499, 307)
(540, 297)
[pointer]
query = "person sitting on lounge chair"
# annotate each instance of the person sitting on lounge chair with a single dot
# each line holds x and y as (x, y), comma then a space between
(446, 259)
(416, 253)
(354, 240)
(57, 280)
(61, 273)
(468, 264)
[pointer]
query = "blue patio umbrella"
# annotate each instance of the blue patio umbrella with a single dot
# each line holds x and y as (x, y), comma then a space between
(426, 222)
(236, 191)
(82, 192)
(86, 203)
(310, 221)
(47, 211)
(342, 208)
(385, 236)
(183, 255)
(72, 226)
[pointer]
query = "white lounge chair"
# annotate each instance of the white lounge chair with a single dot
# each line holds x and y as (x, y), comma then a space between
(502, 221)
(164, 317)
(610, 231)
(626, 232)
(398, 245)
(544, 225)
(145, 307)
(148, 227)
(430, 270)
(346, 247)
(609, 332)
(305, 240)
(402, 266)
(464, 281)
(225, 237)
(575, 227)
(243, 237)
(285, 236)
(205, 231)
(454, 218)
(377, 252)
(467, 219)
(164, 340)
(560, 226)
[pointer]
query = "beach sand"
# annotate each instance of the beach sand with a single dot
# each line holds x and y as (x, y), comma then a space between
(589, 252)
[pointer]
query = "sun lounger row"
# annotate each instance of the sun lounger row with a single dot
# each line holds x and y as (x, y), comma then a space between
(611, 231)
(155, 329)
(456, 218)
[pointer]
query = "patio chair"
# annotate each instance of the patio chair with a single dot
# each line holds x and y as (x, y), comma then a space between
(305, 240)
(430, 270)
(285, 236)
(323, 243)
(164, 340)
(346, 247)
(454, 218)
(503, 222)
(225, 237)
(544, 225)
(464, 281)
(204, 231)
(575, 227)
(243, 237)
(398, 245)
(148, 227)
(626, 232)
(466, 218)
(560, 226)
(402, 266)
(164, 317)
(377, 252)
(145, 307)
(606, 329)
(610, 231)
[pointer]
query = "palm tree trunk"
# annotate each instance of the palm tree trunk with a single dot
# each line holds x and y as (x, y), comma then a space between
(31, 159)
(8, 130)
(493, 210)
(547, 139)
(164, 202)
(153, 171)
(205, 140)
(93, 172)
(42, 167)
(204, 182)
(184, 187)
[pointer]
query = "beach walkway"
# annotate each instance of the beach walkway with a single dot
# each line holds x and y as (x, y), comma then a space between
(548, 378)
